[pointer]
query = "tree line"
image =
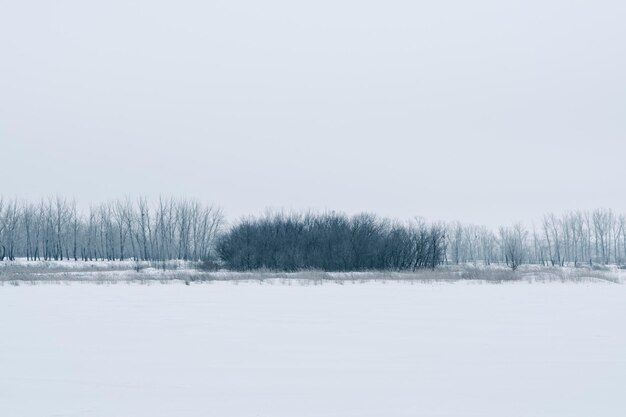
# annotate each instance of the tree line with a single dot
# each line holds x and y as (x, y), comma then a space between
(168, 229)
(54, 229)
(574, 238)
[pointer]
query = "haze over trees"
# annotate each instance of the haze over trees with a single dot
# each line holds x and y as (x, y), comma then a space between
(169, 229)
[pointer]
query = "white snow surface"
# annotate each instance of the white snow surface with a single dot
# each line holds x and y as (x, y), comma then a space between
(288, 349)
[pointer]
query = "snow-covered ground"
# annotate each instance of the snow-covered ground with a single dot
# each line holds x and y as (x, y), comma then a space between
(276, 349)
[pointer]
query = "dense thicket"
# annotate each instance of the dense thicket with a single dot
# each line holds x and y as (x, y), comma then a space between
(331, 242)
(54, 229)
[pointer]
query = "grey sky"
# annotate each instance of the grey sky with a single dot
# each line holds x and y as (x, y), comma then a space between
(483, 111)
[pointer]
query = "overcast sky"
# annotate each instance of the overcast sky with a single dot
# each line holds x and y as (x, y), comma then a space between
(484, 111)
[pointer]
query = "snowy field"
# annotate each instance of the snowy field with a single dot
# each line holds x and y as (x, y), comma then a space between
(301, 348)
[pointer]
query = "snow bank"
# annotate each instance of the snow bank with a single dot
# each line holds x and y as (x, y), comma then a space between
(115, 271)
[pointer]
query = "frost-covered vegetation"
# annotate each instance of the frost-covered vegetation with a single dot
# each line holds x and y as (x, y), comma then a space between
(54, 229)
(23, 271)
(156, 235)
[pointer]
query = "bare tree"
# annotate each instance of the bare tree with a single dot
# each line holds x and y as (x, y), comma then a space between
(514, 242)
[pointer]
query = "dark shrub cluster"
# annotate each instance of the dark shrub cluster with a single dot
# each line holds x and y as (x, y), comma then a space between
(330, 242)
